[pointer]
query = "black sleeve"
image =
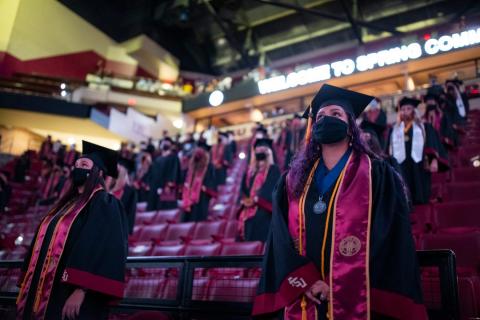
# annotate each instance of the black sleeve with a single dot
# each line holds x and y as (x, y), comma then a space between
(129, 201)
(394, 271)
(434, 149)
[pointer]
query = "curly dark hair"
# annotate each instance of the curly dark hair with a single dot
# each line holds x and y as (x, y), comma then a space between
(305, 158)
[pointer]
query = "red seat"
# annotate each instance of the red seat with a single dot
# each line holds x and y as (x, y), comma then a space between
(242, 248)
(207, 229)
(179, 230)
(456, 214)
(17, 254)
(466, 175)
(462, 191)
(155, 232)
(168, 250)
(200, 288)
(421, 218)
(235, 290)
(231, 230)
(466, 247)
(144, 217)
(138, 249)
(170, 289)
(164, 216)
(144, 288)
(141, 206)
(203, 250)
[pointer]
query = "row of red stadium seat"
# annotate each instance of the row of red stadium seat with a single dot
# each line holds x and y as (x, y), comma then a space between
(222, 248)
(185, 231)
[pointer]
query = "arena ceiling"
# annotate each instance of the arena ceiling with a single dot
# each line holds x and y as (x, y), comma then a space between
(224, 36)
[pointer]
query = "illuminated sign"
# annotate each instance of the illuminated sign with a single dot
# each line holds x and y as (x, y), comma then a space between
(371, 61)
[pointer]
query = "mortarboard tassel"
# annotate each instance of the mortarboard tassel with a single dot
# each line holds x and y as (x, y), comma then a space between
(309, 126)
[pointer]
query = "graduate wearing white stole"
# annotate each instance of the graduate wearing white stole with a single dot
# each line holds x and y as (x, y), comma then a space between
(417, 148)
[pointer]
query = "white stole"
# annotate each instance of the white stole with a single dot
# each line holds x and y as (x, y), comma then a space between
(398, 142)
(459, 103)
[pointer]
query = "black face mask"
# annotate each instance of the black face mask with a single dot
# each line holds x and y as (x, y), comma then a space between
(260, 156)
(329, 130)
(79, 176)
(166, 148)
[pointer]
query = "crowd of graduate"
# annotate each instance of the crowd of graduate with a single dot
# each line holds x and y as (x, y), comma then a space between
(187, 173)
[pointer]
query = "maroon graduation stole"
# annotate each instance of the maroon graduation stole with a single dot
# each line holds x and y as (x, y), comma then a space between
(350, 208)
(55, 250)
(218, 152)
(247, 213)
(192, 187)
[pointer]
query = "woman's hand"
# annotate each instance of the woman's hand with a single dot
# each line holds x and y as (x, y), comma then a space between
(247, 202)
(318, 292)
(71, 309)
(434, 166)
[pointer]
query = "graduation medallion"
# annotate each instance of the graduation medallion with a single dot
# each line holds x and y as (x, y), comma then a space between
(320, 206)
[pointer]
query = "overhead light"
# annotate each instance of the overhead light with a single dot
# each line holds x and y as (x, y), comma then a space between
(216, 98)
(256, 115)
(63, 93)
(241, 155)
(63, 86)
(177, 123)
(71, 140)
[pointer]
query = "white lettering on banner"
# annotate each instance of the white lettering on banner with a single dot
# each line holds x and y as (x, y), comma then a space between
(370, 61)
(297, 282)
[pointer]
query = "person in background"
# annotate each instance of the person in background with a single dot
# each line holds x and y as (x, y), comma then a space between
(76, 263)
(150, 147)
(143, 176)
(232, 143)
(222, 158)
(375, 119)
(257, 187)
(71, 155)
(22, 165)
(46, 148)
(164, 178)
(417, 148)
(456, 106)
(5, 191)
(282, 145)
(439, 121)
(123, 191)
(298, 133)
(340, 245)
(199, 185)
(371, 140)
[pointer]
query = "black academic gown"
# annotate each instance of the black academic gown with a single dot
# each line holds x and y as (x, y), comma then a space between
(378, 126)
(393, 263)
(129, 201)
(257, 227)
(199, 211)
(97, 246)
(415, 175)
(165, 171)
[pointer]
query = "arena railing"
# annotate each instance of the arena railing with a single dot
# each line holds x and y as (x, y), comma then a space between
(224, 287)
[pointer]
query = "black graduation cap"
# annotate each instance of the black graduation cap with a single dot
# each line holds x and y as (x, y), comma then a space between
(351, 101)
(263, 143)
(431, 96)
(104, 158)
(455, 82)
(204, 145)
(128, 164)
(261, 129)
(411, 101)
(222, 133)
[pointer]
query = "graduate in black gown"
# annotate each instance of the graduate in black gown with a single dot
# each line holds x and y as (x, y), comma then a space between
(257, 187)
(76, 263)
(340, 240)
(456, 106)
(418, 150)
(199, 186)
(375, 119)
(222, 158)
(439, 121)
(124, 192)
(165, 178)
